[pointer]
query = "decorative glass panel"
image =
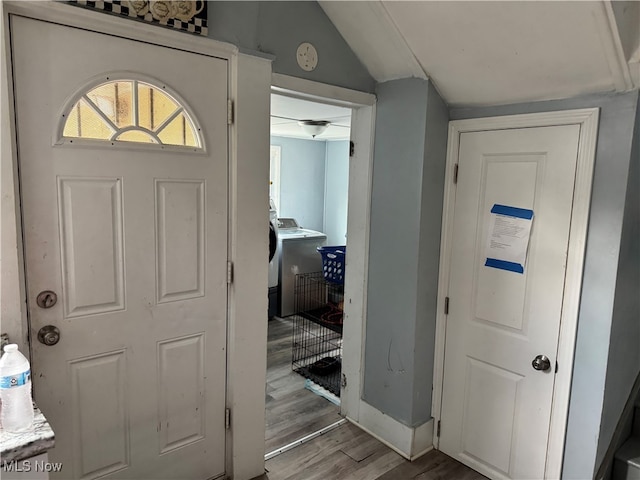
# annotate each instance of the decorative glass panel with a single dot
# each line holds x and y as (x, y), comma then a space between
(178, 131)
(115, 100)
(154, 106)
(131, 111)
(84, 122)
(190, 139)
(136, 136)
(146, 104)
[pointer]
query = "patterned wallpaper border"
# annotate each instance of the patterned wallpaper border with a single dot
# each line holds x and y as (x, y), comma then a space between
(185, 15)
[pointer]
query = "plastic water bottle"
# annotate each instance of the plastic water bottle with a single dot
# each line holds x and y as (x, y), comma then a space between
(15, 390)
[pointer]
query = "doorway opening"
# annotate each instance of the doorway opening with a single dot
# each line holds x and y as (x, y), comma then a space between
(309, 182)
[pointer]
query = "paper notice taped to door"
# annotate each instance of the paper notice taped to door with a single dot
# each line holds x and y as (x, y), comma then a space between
(508, 238)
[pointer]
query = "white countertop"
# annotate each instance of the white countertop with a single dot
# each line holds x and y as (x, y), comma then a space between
(29, 443)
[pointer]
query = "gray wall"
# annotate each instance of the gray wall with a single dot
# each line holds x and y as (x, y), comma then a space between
(336, 192)
(435, 147)
(406, 206)
(584, 444)
(624, 352)
(302, 166)
(277, 28)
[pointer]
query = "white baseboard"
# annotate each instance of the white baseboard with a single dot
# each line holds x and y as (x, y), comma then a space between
(409, 442)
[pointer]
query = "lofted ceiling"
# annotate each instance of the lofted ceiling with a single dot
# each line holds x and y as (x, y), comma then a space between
(490, 53)
(286, 112)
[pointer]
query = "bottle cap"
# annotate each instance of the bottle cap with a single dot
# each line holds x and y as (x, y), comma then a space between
(12, 347)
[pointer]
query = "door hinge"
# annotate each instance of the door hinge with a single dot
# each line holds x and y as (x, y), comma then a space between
(227, 418)
(229, 112)
(556, 367)
(446, 305)
(229, 272)
(344, 381)
(352, 149)
(455, 173)
(438, 429)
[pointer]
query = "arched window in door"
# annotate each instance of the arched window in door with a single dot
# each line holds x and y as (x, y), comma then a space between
(130, 111)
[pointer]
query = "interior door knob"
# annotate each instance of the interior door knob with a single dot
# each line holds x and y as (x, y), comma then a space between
(541, 362)
(49, 335)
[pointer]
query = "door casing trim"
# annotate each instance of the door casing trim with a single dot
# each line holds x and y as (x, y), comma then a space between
(587, 119)
(363, 107)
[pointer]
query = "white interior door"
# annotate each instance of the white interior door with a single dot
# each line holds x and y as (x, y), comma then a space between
(133, 240)
(496, 407)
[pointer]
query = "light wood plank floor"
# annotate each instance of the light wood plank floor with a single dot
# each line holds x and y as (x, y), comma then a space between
(349, 453)
(345, 453)
(291, 410)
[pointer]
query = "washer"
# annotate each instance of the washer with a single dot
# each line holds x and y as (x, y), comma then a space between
(274, 255)
(298, 254)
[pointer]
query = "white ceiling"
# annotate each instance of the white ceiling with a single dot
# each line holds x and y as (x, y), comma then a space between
(287, 111)
(488, 53)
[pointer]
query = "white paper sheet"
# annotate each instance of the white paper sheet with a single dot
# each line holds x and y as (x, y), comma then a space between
(508, 238)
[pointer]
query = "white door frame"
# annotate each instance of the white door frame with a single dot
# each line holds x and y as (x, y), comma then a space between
(588, 121)
(248, 77)
(358, 222)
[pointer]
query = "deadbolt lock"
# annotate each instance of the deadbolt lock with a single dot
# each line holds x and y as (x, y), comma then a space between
(46, 299)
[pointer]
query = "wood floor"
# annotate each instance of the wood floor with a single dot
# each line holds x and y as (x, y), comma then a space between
(345, 453)
(291, 410)
(348, 453)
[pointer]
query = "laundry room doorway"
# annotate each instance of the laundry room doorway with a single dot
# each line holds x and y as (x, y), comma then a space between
(320, 190)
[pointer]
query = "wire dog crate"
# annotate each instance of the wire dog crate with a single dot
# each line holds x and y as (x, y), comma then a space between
(317, 330)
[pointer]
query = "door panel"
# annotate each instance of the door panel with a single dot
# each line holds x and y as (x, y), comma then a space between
(93, 265)
(133, 238)
(181, 410)
(496, 408)
(180, 239)
(100, 380)
(489, 412)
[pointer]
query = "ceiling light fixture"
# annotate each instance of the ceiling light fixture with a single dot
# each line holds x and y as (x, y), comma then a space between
(314, 127)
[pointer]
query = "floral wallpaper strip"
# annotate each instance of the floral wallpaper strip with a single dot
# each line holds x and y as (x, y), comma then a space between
(186, 15)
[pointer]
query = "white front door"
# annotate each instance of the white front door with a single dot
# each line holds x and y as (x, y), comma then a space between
(132, 238)
(496, 407)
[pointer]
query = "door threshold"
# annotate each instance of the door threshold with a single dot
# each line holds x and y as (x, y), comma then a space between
(304, 439)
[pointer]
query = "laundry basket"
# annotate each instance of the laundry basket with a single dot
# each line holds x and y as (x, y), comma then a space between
(333, 263)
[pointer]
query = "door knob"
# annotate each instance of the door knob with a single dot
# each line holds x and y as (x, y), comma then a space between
(49, 335)
(541, 362)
